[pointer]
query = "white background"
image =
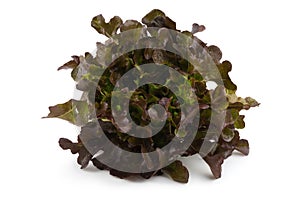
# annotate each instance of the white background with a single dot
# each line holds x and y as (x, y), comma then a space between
(260, 38)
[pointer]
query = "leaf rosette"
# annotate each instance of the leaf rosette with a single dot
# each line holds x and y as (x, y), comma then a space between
(146, 102)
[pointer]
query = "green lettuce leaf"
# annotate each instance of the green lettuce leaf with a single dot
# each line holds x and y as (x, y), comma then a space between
(73, 111)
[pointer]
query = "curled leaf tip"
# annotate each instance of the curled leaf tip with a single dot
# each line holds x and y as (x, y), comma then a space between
(108, 29)
(197, 28)
(215, 163)
(157, 18)
(177, 172)
(70, 64)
